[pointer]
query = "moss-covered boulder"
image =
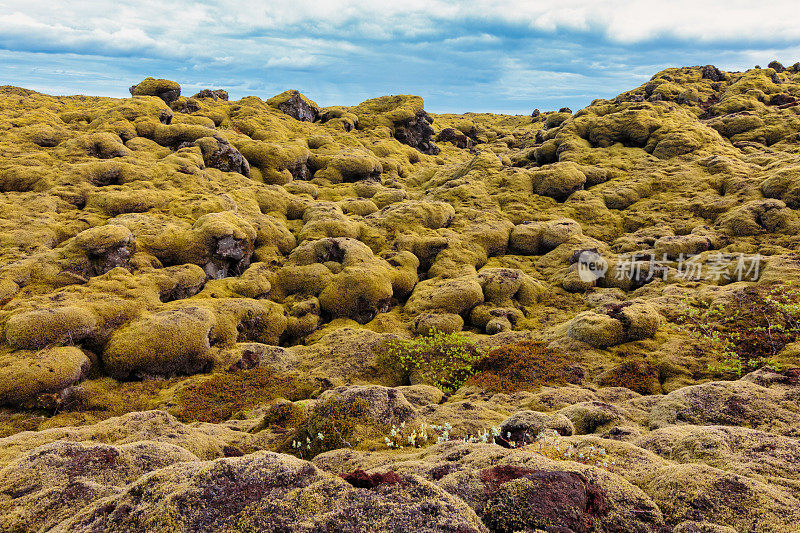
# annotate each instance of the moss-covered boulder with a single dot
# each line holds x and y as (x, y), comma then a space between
(454, 296)
(615, 324)
(167, 90)
(39, 328)
(296, 105)
(164, 343)
(269, 492)
(403, 117)
(29, 374)
(558, 181)
(54, 481)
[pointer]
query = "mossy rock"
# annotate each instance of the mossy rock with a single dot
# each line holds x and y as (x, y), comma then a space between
(524, 427)
(430, 322)
(615, 324)
(358, 292)
(47, 474)
(387, 502)
(39, 328)
(215, 94)
(99, 145)
(174, 341)
(598, 330)
(455, 296)
(29, 374)
(558, 181)
(347, 166)
(296, 105)
(167, 90)
(758, 217)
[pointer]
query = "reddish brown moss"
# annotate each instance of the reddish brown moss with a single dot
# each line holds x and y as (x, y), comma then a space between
(218, 397)
(361, 480)
(637, 376)
(497, 475)
(748, 330)
(526, 365)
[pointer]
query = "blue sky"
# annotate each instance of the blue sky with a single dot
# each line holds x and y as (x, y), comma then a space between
(483, 55)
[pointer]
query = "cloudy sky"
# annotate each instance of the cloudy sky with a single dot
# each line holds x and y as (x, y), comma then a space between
(474, 55)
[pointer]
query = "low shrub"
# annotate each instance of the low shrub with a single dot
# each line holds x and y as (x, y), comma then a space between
(444, 360)
(334, 424)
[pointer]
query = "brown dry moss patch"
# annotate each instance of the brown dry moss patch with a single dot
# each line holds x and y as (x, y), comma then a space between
(526, 365)
(638, 376)
(222, 395)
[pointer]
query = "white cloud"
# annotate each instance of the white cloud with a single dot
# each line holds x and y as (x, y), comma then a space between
(209, 29)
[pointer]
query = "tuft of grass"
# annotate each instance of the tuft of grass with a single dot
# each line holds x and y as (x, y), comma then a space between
(553, 446)
(334, 424)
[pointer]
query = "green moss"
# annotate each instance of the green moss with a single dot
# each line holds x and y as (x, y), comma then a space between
(386, 111)
(347, 166)
(174, 134)
(40, 328)
(28, 374)
(164, 343)
(556, 119)
(154, 87)
(287, 95)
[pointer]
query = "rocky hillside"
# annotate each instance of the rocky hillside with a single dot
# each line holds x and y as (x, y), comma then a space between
(264, 315)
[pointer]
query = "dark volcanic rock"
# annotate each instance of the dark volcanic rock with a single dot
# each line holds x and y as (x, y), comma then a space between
(456, 137)
(185, 105)
(417, 132)
(294, 104)
(710, 72)
(223, 156)
(776, 66)
(216, 94)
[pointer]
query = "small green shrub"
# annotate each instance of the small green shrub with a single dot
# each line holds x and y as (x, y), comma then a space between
(747, 333)
(444, 360)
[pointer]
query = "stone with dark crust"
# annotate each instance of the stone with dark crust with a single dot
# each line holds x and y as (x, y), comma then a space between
(294, 104)
(416, 132)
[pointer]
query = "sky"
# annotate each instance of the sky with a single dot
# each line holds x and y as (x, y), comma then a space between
(496, 56)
